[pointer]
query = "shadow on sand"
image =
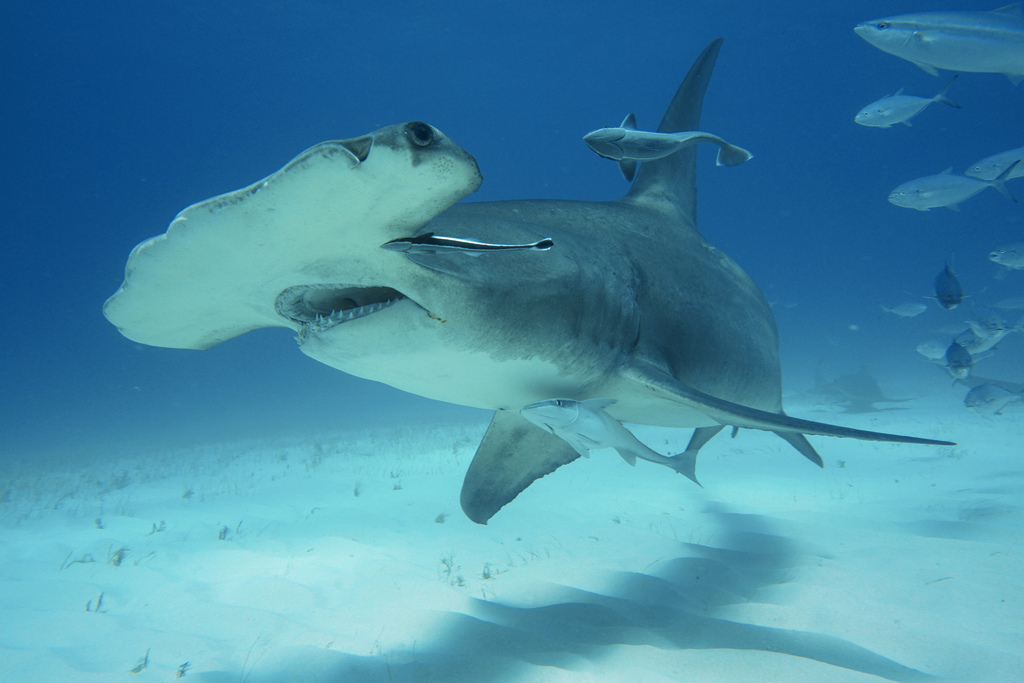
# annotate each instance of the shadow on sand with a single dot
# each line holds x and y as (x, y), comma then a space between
(672, 609)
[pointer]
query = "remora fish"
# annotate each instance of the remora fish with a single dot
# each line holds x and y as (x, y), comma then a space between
(979, 42)
(585, 426)
(900, 108)
(429, 243)
(627, 145)
(992, 166)
(946, 189)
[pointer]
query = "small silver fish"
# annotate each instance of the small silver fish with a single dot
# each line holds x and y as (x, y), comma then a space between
(900, 108)
(979, 42)
(946, 189)
(1012, 304)
(986, 322)
(1009, 255)
(987, 329)
(429, 243)
(990, 167)
(933, 349)
(906, 310)
(627, 145)
(989, 399)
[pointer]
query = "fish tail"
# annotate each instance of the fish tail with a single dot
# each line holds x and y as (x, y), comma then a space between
(941, 97)
(731, 155)
(686, 464)
(1000, 182)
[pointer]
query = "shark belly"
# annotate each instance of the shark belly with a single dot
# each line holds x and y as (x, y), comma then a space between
(433, 370)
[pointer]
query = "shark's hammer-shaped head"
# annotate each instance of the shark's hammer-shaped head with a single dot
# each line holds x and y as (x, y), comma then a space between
(298, 249)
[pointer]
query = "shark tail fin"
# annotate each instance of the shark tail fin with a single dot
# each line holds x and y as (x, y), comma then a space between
(672, 180)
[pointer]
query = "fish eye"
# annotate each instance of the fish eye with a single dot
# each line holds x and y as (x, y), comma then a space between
(882, 25)
(420, 133)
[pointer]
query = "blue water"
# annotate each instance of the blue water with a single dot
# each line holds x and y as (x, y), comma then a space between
(117, 115)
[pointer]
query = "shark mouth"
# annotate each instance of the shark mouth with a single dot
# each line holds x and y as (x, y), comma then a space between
(320, 307)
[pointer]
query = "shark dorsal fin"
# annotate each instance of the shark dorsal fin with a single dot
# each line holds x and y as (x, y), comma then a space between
(670, 183)
(629, 123)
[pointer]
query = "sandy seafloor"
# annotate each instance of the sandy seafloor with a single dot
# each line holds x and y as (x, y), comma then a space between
(345, 557)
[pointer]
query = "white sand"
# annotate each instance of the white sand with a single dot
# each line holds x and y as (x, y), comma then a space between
(257, 562)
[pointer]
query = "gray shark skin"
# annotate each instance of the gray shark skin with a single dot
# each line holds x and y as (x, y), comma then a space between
(628, 302)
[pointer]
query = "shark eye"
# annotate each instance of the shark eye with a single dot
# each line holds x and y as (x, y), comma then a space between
(420, 133)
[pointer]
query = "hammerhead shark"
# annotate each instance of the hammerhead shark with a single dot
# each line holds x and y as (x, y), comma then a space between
(622, 300)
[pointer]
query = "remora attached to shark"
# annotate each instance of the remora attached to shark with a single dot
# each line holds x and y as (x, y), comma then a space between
(586, 426)
(629, 302)
(629, 146)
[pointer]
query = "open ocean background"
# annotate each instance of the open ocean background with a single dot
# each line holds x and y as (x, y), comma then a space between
(118, 115)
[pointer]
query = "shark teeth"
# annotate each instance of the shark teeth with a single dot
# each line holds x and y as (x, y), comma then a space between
(320, 307)
(323, 322)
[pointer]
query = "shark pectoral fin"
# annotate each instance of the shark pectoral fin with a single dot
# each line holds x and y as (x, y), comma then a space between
(800, 442)
(511, 456)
